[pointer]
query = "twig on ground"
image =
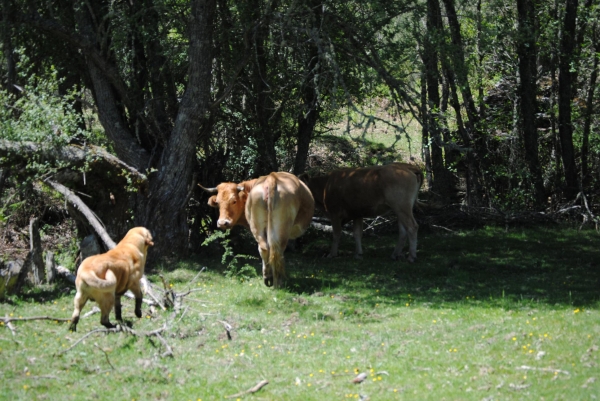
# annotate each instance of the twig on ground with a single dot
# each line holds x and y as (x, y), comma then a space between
(525, 367)
(154, 333)
(106, 355)
(7, 319)
(104, 330)
(252, 390)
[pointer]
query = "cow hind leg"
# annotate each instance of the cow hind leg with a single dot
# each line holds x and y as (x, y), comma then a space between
(263, 250)
(358, 232)
(407, 226)
(336, 224)
(277, 263)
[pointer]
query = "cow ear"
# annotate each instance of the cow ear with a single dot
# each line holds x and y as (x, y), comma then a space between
(212, 201)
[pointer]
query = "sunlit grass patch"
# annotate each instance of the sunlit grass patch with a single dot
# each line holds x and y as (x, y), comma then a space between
(484, 314)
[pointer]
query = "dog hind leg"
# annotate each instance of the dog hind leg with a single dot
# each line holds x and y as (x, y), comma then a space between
(118, 309)
(79, 302)
(106, 304)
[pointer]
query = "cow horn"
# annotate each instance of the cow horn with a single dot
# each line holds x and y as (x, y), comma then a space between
(240, 188)
(209, 190)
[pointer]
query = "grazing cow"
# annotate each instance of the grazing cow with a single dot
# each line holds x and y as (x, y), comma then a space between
(276, 207)
(354, 193)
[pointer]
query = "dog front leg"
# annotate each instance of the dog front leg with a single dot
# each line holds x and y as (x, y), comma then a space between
(137, 292)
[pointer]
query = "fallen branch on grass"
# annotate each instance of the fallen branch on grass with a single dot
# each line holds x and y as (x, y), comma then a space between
(124, 329)
(7, 319)
(254, 389)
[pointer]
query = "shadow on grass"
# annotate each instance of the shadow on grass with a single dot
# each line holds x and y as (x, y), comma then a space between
(489, 266)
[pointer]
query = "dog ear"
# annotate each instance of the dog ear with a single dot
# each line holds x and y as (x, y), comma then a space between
(149, 241)
(212, 201)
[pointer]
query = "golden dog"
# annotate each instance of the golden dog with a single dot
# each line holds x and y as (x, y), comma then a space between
(106, 277)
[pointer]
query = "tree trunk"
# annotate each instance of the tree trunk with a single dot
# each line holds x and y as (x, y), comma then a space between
(34, 264)
(526, 49)
(588, 114)
(165, 212)
(442, 184)
(11, 71)
(472, 139)
(310, 96)
(565, 96)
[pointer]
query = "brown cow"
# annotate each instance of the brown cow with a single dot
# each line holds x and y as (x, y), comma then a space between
(276, 207)
(354, 193)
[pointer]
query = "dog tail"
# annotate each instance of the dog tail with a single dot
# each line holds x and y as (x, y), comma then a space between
(108, 283)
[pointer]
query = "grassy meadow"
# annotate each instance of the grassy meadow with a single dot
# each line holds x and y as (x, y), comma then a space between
(490, 314)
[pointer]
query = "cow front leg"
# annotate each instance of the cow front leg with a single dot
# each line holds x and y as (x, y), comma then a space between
(358, 232)
(336, 224)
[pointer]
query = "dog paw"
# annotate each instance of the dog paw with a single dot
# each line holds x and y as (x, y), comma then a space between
(138, 313)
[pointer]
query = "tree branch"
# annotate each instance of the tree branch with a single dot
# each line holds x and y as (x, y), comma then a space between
(82, 207)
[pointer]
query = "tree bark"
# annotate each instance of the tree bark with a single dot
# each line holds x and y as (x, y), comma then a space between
(588, 114)
(34, 264)
(166, 213)
(442, 183)
(526, 50)
(310, 96)
(472, 139)
(565, 96)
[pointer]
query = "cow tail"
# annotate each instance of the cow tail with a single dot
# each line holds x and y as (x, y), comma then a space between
(275, 251)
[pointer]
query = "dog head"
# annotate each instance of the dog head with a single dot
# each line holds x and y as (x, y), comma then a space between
(140, 237)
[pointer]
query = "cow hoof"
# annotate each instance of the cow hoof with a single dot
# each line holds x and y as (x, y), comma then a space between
(358, 256)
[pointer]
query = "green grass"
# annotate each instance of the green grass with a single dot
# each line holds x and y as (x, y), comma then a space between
(486, 314)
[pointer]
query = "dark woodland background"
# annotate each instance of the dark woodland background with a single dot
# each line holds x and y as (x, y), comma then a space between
(130, 104)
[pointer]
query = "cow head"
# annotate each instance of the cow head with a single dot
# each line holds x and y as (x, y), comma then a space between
(230, 199)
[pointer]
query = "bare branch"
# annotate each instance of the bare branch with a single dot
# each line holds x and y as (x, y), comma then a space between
(254, 389)
(86, 211)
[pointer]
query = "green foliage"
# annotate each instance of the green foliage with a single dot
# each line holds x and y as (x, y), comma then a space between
(38, 114)
(233, 262)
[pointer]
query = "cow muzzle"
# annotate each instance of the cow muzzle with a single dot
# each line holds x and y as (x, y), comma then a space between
(223, 224)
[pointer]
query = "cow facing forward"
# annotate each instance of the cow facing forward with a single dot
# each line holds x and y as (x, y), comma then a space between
(276, 207)
(354, 193)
